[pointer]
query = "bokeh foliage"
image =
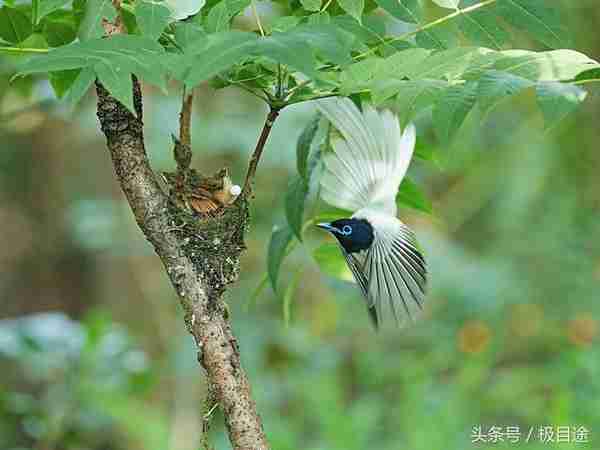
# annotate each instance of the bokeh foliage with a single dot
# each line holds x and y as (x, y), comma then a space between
(503, 195)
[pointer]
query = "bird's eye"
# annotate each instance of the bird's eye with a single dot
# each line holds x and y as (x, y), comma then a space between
(347, 230)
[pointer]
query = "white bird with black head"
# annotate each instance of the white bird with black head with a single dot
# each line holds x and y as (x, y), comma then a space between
(363, 173)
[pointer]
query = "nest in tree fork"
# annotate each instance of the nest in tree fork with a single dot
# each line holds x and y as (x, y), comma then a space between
(211, 223)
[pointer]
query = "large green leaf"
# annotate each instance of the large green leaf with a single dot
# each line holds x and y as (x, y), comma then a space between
(311, 5)
(447, 64)
(294, 204)
(95, 12)
(218, 53)
(553, 65)
(557, 100)
(152, 17)
(495, 86)
(117, 82)
(289, 296)
(278, 249)
(482, 27)
(411, 95)
(15, 26)
(359, 76)
(331, 261)
(451, 109)
(189, 35)
(540, 18)
(62, 81)
(405, 10)
(48, 6)
(81, 85)
(353, 7)
(130, 54)
(220, 15)
(286, 48)
(58, 33)
(304, 146)
(412, 196)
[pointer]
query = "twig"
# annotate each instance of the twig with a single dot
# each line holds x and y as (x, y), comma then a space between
(260, 145)
(185, 118)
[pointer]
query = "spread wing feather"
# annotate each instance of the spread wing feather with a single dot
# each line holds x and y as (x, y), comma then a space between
(370, 158)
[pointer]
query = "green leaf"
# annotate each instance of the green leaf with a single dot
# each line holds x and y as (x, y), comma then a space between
(411, 96)
(289, 296)
(539, 18)
(359, 76)
(219, 53)
(62, 81)
(495, 86)
(441, 37)
(294, 204)
(311, 5)
(133, 54)
(189, 34)
(449, 64)
(284, 23)
(48, 6)
(152, 17)
(278, 249)
(450, 4)
(353, 7)
(285, 48)
(81, 85)
(557, 100)
(220, 15)
(328, 41)
(412, 196)
(59, 33)
(117, 82)
(218, 18)
(331, 261)
(405, 10)
(482, 27)
(555, 65)
(403, 64)
(451, 109)
(304, 145)
(15, 26)
(95, 11)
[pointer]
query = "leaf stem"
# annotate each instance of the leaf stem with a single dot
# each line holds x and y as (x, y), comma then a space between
(429, 25)
(257, 17)
(23, 50)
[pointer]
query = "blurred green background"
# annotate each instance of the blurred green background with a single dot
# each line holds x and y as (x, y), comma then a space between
(94, 354)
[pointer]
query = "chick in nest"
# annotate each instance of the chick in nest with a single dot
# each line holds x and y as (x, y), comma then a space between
(214, 193)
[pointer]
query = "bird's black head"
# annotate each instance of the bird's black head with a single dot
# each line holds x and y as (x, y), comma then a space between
(354, 235)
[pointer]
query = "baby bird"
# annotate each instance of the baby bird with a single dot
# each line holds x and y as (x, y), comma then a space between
(363, 174)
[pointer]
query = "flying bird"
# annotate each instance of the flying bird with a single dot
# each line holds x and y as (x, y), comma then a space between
(363, 174)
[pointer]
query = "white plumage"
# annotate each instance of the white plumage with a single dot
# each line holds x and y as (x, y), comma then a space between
(363, 174)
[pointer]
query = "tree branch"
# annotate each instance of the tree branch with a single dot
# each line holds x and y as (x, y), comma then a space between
(260, 145)
(200, 260)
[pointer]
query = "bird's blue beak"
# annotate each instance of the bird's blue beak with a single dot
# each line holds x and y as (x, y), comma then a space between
(326, 226)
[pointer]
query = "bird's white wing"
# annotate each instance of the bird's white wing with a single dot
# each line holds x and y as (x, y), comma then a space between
(370, 158)
(392, 273)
